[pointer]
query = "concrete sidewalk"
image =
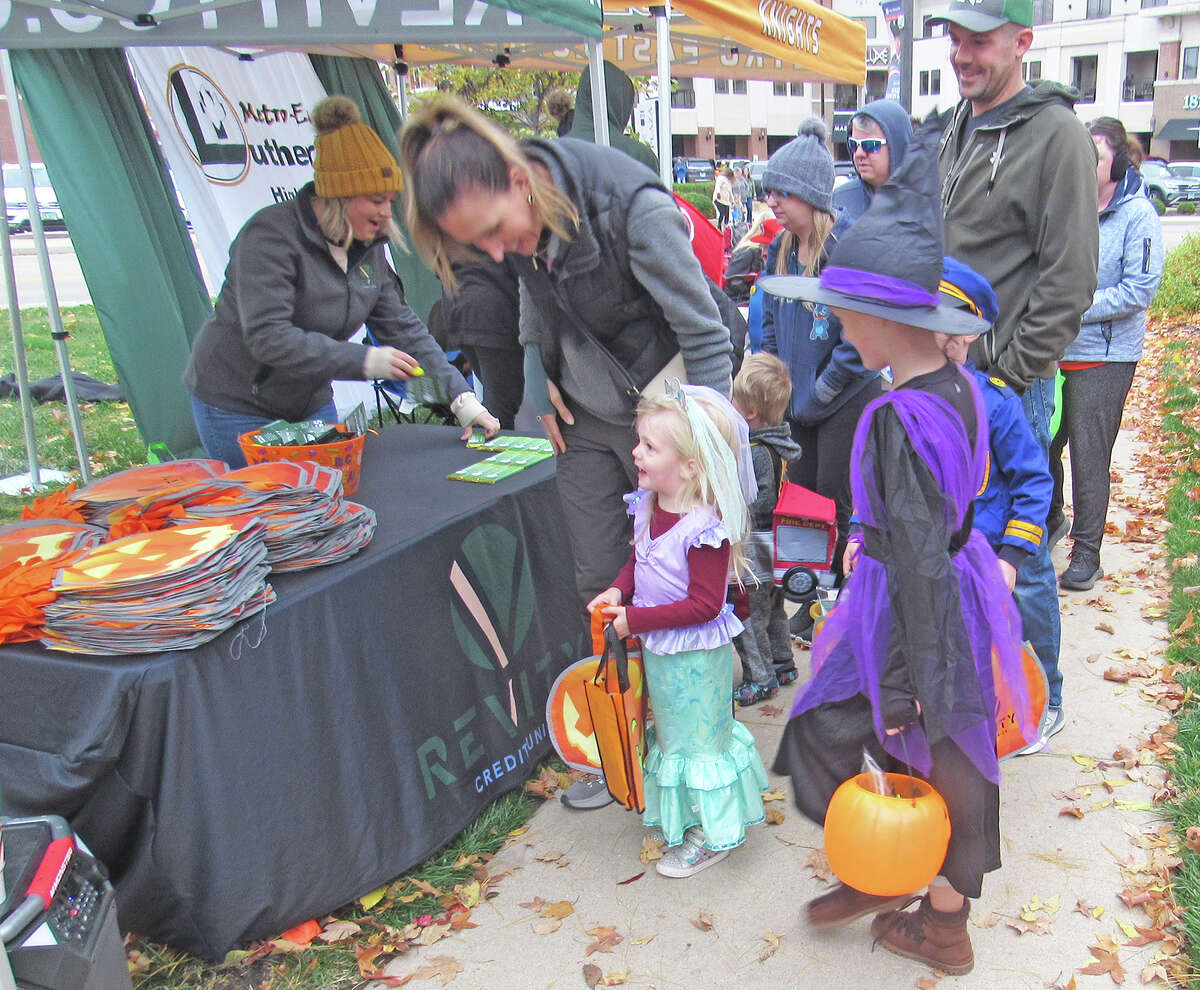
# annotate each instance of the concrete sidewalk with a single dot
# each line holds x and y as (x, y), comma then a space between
(754, 899)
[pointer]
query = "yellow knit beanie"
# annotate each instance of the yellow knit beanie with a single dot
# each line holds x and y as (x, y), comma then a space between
(351, 159)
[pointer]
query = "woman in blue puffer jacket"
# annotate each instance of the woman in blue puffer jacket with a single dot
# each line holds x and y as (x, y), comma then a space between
(1098, 367)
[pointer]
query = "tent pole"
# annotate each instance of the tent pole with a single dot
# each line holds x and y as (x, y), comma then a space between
(662, 27)
(22, 369)
(595, 49)
(57, 330)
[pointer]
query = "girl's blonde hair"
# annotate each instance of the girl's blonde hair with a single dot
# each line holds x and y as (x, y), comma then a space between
(700, 489)
(448, 148)
(818, 237)
(335, 224)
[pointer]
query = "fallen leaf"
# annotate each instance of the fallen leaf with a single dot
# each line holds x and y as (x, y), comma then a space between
(546, 926)
(771, 711)
(817, 861)
(559, 909)
(461, 921)
(535, 905)
(444, 968)
(550, 857)
(591, 974)
(1072, 810)
(704, 922)
(1106, 962)
(926, 983)
(1087, 762)
(636, 876)
(651, 850)
(644, 940)
(1039, 927)
(614, 979)
(1191, 838)
(774, 816)
(1106, 627)
(988, 920)
(368, 901)
(773, 795)
(605, 939)
(338, 931)
(433, 933)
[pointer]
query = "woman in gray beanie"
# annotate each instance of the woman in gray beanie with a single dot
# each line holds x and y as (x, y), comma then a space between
(830, 386)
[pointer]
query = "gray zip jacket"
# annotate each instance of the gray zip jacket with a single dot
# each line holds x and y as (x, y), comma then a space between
(1019, 200)
(280, 332)
(1131, 265)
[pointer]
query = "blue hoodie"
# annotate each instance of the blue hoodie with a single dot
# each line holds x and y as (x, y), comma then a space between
(853, 197)
(1131, 264)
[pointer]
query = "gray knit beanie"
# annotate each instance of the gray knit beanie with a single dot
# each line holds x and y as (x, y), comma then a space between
(804, 167)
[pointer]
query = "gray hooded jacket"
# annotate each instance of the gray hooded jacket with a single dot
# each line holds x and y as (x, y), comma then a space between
(854, 197)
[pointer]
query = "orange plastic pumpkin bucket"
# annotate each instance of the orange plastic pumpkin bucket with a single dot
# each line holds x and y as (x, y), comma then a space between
(345, 454)
(1009, 737)
(886, 844)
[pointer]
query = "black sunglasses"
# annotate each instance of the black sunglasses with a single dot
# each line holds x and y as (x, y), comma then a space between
(869, 145)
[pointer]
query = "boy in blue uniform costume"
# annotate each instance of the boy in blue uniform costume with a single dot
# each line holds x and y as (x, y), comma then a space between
(1011, 508)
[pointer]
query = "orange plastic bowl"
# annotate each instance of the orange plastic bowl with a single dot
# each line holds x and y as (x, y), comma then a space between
(345, 455)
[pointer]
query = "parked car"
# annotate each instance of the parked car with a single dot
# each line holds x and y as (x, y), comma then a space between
(843, 172)
(699, 170)
(1166, 188)
(1189, 170)
(17, 209)
(756, 173)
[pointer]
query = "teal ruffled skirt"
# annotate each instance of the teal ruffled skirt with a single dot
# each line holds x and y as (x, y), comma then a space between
(701, 765)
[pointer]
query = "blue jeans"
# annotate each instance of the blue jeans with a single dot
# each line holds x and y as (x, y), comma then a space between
(219, 429)
(1036, 592)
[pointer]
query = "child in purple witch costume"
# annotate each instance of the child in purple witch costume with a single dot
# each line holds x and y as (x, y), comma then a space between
(903, 665)
(703, 775)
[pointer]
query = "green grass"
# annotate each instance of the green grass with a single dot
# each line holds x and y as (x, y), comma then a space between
(1179, 291)
(334, 967)
(1181, 445)
(112, 439)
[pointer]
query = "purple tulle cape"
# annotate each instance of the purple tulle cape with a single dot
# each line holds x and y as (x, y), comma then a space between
(851, 650)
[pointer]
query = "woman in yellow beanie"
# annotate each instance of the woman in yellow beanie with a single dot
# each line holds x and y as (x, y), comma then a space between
(303, 276)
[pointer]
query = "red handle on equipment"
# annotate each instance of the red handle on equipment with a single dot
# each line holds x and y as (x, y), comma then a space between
(52, 869)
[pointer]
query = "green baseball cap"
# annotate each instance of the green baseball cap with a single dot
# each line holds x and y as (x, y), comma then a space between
(985, 15)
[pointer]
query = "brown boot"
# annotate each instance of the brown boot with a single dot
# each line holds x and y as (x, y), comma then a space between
(936, 938)
(843, 905)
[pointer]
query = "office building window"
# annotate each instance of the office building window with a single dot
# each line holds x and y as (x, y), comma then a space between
(1043, 11)
(1083, 77)
(720, 85)
(930, 83)
(779, 88)
(739, 86)
(1098, 8)
(1153, 3)
(845, 96)
(684, 97)
(933, 30)
(1031, 72)
(1189, 63)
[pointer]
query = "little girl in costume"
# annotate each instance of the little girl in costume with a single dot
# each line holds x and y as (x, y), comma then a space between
(904, 664)
(703, 775)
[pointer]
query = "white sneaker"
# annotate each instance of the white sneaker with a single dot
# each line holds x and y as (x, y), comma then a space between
(689, 857)
(1054, 721)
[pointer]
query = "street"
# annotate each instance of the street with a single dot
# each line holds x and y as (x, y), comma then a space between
(73, 291)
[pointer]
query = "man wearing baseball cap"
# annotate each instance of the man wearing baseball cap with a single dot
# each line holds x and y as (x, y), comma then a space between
(1018, 196)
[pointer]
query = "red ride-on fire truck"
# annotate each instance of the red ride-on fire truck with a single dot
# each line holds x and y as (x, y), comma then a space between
(805, 540)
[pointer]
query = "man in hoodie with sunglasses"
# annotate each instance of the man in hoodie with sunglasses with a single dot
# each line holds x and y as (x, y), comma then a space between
(879, 136)
(1017, 172)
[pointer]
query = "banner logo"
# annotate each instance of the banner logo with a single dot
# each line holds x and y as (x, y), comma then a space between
(209, 124)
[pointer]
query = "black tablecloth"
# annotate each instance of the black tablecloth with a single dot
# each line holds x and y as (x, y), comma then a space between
(299, 761)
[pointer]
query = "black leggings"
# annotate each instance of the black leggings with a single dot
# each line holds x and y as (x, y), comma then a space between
(722, 215)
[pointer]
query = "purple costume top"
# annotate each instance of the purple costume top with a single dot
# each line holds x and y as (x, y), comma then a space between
(660, 573)
(915, 603)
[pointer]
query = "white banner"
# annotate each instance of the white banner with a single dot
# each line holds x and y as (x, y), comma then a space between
(236, 135)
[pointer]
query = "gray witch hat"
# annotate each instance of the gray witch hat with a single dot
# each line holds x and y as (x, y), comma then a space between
(889, 263)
